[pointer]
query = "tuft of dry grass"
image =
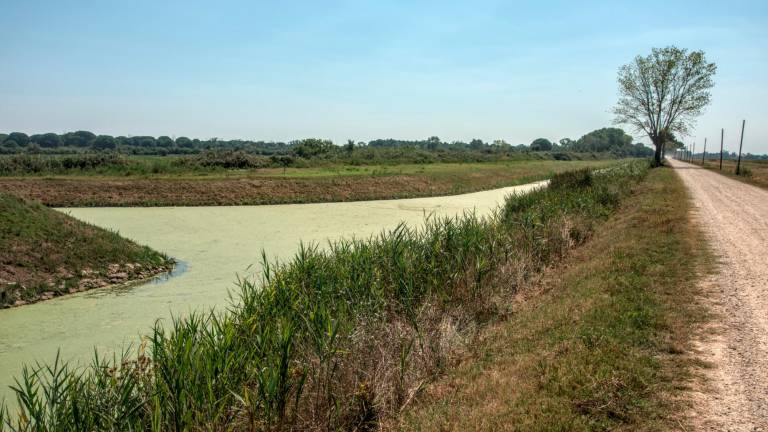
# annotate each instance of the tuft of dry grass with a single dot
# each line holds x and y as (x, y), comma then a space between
(602, 343)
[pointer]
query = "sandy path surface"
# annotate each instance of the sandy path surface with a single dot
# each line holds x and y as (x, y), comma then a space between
(734, 216)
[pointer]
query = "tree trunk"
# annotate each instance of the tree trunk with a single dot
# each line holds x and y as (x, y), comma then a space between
(657, 154)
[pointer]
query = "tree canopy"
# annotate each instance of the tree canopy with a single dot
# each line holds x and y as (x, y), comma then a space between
(541, 144)
(664, 92)
(612, 140)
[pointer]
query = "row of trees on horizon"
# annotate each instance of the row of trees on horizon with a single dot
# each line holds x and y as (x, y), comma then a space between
(598, 141)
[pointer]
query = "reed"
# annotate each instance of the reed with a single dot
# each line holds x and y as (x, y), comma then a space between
(338, 337)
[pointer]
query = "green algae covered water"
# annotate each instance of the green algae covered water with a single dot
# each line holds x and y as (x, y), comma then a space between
(214, 246)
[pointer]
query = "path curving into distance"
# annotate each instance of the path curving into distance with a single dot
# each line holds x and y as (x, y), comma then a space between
(734, 216)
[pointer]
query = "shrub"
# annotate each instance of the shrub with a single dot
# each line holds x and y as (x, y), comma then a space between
(572, 179)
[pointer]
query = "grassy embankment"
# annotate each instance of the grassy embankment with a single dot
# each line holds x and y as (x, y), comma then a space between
(274, 186)
(752, 172)
(44, 253)
(339, 338)
(601, 345)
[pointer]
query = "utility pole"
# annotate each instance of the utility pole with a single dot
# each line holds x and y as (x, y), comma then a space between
(693, 151)
(722, 135)
(704, 155)
(741, 143)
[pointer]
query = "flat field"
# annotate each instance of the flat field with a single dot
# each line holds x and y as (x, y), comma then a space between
(278, 186)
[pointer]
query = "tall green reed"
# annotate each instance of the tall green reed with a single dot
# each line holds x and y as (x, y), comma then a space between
(336, 337)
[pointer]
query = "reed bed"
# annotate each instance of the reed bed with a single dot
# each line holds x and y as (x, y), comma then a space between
(339, 337)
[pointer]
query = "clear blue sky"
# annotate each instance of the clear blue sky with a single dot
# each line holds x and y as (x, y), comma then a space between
(363, 70)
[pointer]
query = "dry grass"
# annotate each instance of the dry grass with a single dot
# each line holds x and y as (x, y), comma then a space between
(752, 172)
(297, 186)
(600, 344)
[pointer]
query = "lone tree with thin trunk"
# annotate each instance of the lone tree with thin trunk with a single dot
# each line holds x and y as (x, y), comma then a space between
(662, 94)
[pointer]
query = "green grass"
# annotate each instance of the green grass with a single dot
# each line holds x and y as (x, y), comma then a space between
(338, 338)
(44, 250)
(601, 345)
(156, 167)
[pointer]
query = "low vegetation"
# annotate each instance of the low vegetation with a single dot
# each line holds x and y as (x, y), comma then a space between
(752, 171)
(600, 343)
(45, 253)
(321, 151)
(337, 338)
(291, 185)
(238, 163)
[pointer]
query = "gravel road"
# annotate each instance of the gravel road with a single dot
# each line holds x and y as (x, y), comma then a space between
(734, 216)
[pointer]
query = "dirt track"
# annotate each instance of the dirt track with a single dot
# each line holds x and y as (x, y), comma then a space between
(734, 216)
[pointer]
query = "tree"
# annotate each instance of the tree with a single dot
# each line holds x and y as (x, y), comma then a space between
(670, 142)
(48, 140)
(567, 143)
(164, 141)
(663, 93)
(433, 143)
(311, 147)
(541, 144)
(603, 140)
(78, 139)
(19, 138)
(104, 142)
(184, 142)
(476, 144)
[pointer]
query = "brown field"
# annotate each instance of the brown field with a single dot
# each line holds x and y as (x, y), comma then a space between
(430, 180)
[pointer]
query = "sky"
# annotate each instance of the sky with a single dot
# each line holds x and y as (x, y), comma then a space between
(364, 69)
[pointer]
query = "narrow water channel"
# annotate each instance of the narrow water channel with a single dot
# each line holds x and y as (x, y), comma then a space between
(215, 245)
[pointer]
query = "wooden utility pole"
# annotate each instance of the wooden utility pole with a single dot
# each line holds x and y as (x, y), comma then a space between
(741, 143)
(722, 135)
(704, 155)
(693, 151)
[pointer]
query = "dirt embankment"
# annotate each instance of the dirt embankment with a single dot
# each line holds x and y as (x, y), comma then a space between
(734, 216)
(45, 253)
(183, 192)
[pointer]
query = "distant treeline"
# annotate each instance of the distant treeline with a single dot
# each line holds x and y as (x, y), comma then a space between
(610, 140)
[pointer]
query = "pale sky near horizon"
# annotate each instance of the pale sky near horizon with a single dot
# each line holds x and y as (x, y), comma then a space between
(364, 69)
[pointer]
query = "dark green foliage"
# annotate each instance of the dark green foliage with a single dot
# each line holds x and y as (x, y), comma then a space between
(541, 144)
(32, 164)
(334, 338)
(312, 147)
(610, 140)
(19, 138)
(572, 179)
(224, 160)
